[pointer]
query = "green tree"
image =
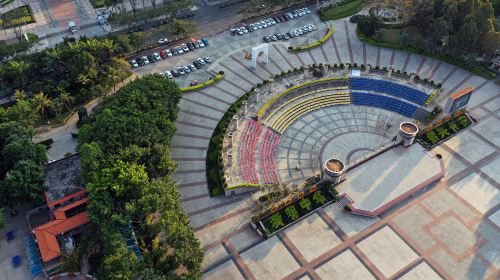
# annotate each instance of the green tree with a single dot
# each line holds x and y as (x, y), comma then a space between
(24, 183)
(432, 137)
(319, 198)
(42, 103)
(276, 221)
(292, 213)
(368, 25)
(305, 204)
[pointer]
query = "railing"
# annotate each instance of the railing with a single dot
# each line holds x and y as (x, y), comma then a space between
(374, 151)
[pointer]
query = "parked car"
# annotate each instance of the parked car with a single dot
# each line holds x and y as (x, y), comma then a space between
(145, 60)
(192, 67)
(185, 48)
(181, 70)
(151, 58)
(163, 41)
(133, 63)
(207, 59)
(140, 62)
(201, 61)
(232, 31)
(190, 46)
(197, 64)
(186, 69)
(156, 56)
(267, 39)
(163, 54)
(196, 45)
(205, 41)
(175, 73)
(179, 50)
(201, 43)
(168, 74)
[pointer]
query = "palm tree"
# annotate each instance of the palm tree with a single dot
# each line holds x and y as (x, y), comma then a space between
(55, 58)
(84, 79)
(67, 99)
(17, 69)
(109, 46)
(114, 75)
(42, 103)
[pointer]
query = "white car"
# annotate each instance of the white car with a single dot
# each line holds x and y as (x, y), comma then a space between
(168, 74)
(179, 50)
(207, 59)
(145, 59)
(157, 56)
(201, 61)
(163, 41)
(181, 70)
(133, 63)
(200, 42)
(192, 67)
(186, 69)
(184, 48)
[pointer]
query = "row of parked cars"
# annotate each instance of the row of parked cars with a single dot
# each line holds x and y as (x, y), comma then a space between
(269, 22)
(186, 69)
(292, 33)
(166, 53)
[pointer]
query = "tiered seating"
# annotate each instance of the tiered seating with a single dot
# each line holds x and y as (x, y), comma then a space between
(247, 147)
(384, 102)
(402, 91)
(294, 112)
(268, 166)
(271, 114)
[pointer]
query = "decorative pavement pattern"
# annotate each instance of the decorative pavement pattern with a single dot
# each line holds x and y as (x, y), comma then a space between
(449, 231)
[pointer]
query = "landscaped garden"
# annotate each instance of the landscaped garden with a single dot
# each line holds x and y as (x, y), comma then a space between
(466, 40)
(341, 10)
(16, 17)
(445, 129)
(219, 76)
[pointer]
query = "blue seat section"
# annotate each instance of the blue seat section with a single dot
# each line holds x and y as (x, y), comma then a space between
(387, 87)
(384, 102)
(32, 257)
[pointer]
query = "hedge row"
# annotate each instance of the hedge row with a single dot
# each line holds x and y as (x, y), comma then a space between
(208, 83)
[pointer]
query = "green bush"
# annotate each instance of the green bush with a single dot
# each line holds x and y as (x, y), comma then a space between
(344, 9)
(313, 45)
(208, 83)
(47, 142)
(18, 16)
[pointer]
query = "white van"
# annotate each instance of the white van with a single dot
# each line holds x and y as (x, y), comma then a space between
(168, 74)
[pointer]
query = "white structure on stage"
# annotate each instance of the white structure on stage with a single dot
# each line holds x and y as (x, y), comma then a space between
(256, 51)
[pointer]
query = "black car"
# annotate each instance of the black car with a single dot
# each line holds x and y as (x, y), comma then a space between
(279, 36)
(175, 73)
(277, 19)
(140, 61)
(249, 28)
(267, 39)
(174, 52)
(197, 64)
(151, 58)
(190, 46)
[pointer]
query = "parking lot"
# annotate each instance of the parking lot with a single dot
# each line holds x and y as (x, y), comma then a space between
(222, 44)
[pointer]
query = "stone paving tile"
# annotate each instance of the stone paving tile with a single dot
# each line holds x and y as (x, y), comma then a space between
(269, 260)
(493, 105)
(455, 235)
(412, 222)
(312, 237)
(490, 129)
(387, 251)
(194, 191)
(245, 238)
(413, 63)
(479, 113)
(350, 224)
(442, 72)
(469, 146)
(491, 169)
(191, 178)
(452, 165)
(490, 90)
(214, 255)
(385, 57)
(443, 201)
(211, 215)
(470, 268)
(210, 234)
(421, 272)
(478, 192)
(227, 270)
(399, 60)
(495, 218)
(190, 165)
(371, 55)
(188, 153)
(344, 266)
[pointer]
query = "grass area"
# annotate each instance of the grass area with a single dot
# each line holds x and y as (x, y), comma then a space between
(391, 45)
(97, 3)
(18, 16)
(318, 43)
(496, 24)
(208, 83)
(344, 9)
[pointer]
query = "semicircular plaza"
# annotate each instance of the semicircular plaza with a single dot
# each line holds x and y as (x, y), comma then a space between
(415, 235)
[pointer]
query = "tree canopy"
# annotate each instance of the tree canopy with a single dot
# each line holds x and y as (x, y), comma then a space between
(126, 165)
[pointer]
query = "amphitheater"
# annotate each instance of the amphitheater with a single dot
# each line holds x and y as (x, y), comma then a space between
(293, 123)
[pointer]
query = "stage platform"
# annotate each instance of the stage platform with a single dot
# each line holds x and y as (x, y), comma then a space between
(385, 180)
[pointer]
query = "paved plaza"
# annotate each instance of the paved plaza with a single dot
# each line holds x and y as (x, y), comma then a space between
(449, 231)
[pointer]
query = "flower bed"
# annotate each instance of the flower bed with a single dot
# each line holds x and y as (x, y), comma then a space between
(444, 129)
(318, 43)
(294, 208)
(19, 16)
(208, 83)
(433, 94)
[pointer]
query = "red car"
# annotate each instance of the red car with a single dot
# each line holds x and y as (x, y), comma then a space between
(163, 55)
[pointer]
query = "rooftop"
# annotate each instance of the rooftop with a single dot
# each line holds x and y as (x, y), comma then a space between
(63, 178)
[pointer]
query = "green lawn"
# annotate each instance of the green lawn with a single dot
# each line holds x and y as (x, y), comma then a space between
(18, 16)
(345, 9)
(97, 3)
